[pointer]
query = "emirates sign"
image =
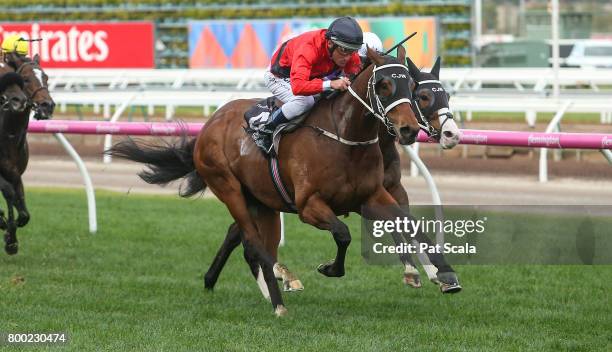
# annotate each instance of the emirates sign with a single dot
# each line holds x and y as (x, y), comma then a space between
(88, 44)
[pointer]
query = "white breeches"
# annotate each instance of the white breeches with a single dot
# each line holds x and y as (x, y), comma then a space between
(293, 105)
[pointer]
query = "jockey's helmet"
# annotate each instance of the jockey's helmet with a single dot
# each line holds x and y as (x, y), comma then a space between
(345, 32)
(15, 44)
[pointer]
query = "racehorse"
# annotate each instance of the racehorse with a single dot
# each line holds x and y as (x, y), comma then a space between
(35, 82)
(432, 110)
(328, 174)
(13, 104)
(13, 139)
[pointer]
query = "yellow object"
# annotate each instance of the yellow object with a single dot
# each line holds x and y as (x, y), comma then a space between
(15, 43)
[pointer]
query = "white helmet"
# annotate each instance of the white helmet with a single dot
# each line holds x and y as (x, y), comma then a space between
(370, 39)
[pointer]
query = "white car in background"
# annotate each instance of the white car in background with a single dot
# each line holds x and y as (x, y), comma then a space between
(590, 53)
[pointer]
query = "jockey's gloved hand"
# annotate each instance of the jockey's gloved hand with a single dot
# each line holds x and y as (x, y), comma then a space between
(341, 83)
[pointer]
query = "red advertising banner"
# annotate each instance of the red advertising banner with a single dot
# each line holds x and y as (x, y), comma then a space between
(88, 44)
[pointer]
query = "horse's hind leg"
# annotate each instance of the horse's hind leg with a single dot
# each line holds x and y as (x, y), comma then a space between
(232, 240)
(10, 237)
(228, 189)
(318, 214)
(268, 222)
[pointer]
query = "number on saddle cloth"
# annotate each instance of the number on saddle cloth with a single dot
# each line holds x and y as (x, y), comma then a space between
(259, 113)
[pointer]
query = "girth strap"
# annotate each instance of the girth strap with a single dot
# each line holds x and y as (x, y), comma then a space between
(278, 184)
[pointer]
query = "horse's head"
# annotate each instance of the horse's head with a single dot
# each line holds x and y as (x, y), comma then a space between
(35, 84)
(390, 95)
(432, 102)
(12, 97)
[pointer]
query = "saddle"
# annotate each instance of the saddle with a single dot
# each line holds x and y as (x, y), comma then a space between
(268, 142)
(258, 115)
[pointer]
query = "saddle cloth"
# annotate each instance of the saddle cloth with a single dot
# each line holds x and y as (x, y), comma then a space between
(258, 115)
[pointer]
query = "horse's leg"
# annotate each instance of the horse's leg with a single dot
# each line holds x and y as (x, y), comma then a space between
(290, 281)
(446, 276)
(412, 277)
(232, 240)
(23, 215)
(318, 214)
(228, 189)
(2, 220)
(268, 222)
(393, 184)
(10, 237)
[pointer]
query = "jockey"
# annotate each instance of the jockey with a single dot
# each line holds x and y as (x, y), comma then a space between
(311, 63)
(372, 41)
(15, 44)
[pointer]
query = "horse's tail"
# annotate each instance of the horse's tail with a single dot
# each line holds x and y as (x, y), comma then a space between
(165, 162)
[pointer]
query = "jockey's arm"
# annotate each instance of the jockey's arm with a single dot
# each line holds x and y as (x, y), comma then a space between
(301, 84)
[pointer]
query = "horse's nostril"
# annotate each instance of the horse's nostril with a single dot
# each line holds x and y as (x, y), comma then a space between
(17, 101)
(407, 132)
(448, 134)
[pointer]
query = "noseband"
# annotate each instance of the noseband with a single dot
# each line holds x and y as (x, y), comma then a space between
(423, 122)
(376, 107)
(42, 86)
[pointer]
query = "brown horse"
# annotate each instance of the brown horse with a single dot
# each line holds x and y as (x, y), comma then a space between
(13, 139)
(432, 109)
(35, 84)
(325, 176)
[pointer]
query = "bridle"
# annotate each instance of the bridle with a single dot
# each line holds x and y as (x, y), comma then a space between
(42, 85)
(444, 114)
(376, 106)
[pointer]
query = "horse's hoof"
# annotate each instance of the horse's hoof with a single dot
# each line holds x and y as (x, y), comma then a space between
(293, 286)
(412, 280)
(11, 249)
(21, 222)
(280, 311)
(449, 283)
(209, 284)
(330, 270)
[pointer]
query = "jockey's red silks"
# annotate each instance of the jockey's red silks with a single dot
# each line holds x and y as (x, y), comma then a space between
(307, 60)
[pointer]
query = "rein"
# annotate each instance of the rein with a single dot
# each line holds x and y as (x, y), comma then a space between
(379, 111)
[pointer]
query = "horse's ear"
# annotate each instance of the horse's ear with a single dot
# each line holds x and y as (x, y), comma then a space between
(414, 71)
(401, 53)
(36, 59)
(435, 70)
(375, 56)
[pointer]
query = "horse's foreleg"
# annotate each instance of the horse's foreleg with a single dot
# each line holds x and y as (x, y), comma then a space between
(232, 240)
(318, 214)
(412, 277)
(384, 206)
(23, 216)
(10, 237)
(2, 220)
